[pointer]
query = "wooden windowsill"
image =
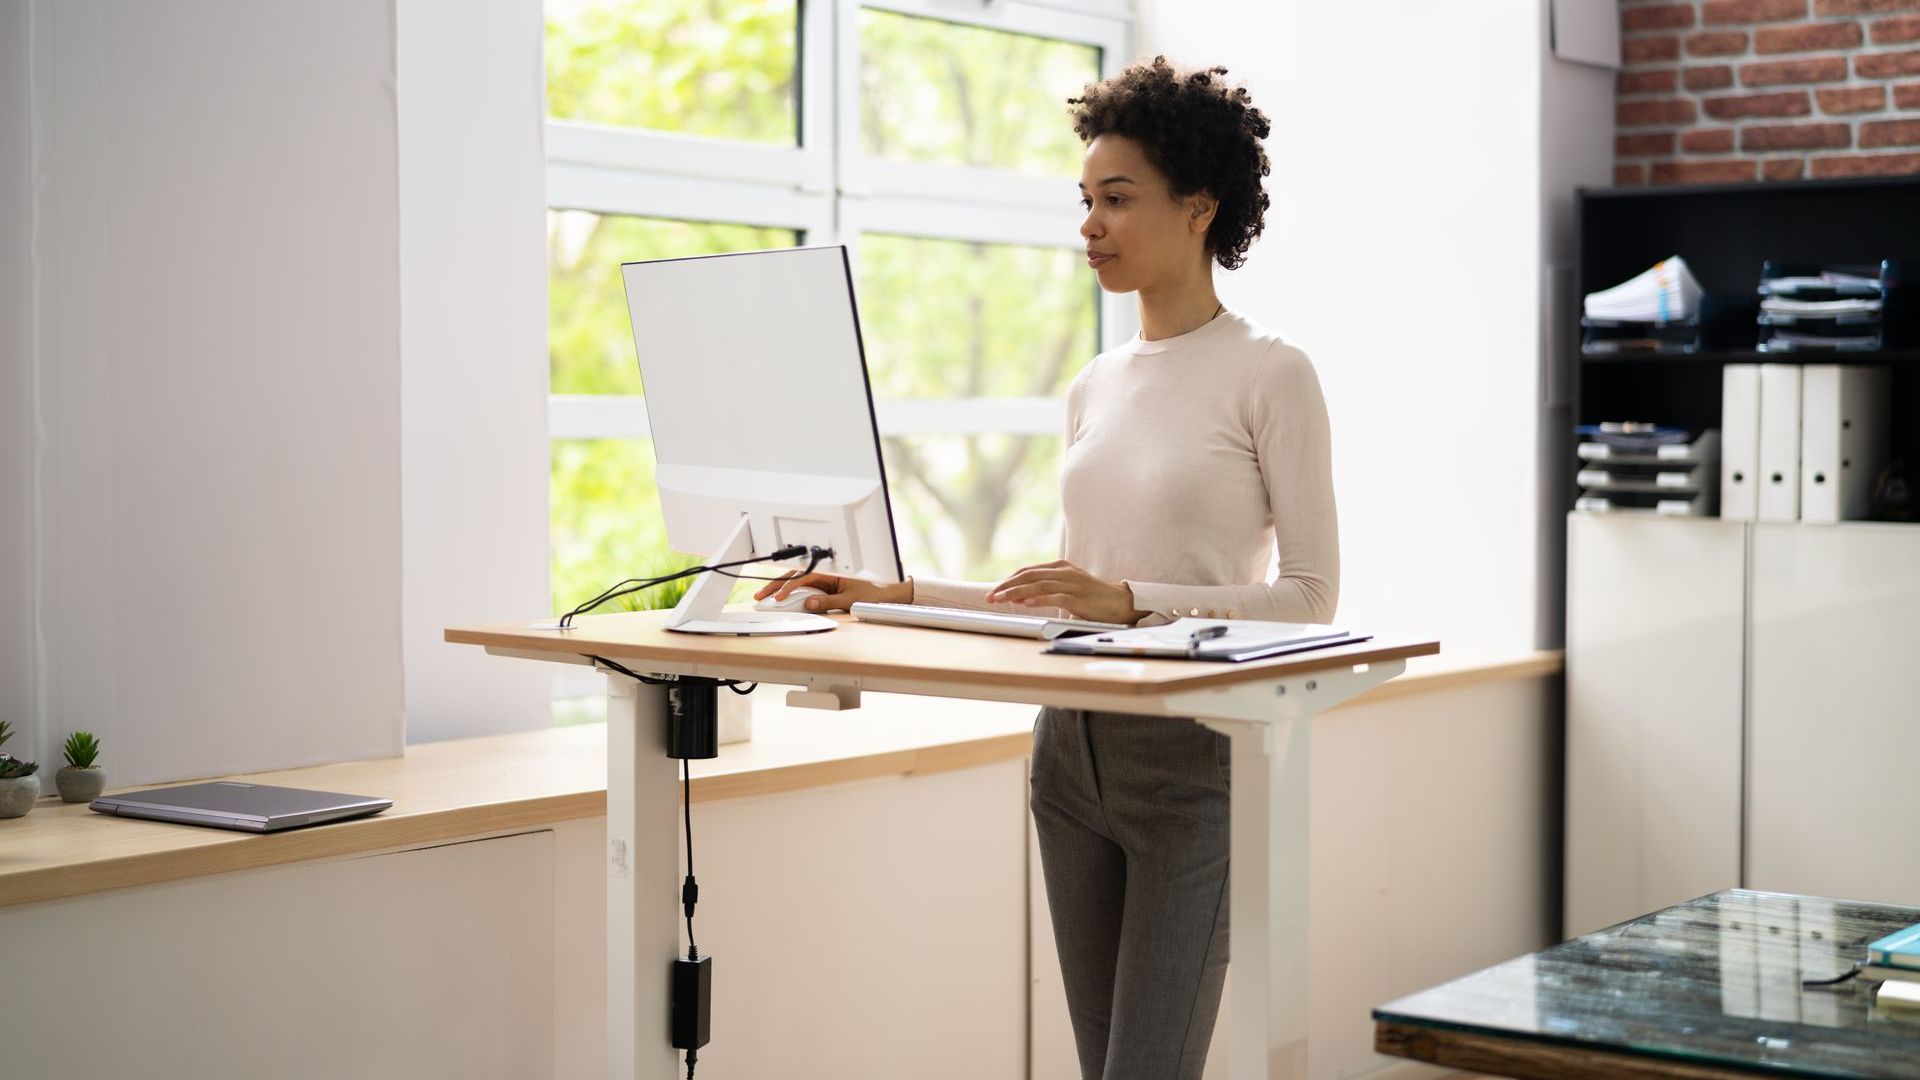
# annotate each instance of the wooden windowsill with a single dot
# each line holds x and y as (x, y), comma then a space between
(502, 783)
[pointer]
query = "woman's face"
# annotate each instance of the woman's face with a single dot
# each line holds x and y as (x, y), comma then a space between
(1138, 235)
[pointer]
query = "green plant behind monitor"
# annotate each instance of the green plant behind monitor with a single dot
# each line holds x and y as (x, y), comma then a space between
(665, 595)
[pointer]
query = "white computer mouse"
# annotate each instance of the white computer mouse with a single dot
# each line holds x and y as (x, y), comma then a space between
(795, 601)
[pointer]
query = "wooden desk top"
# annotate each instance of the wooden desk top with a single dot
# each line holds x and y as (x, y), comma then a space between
(1708, 988)
(871, 651)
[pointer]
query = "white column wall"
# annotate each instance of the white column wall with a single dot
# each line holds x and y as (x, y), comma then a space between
(16, 403)
(214, 287)
(473, 379)
(1403, 252)
(1576, 150)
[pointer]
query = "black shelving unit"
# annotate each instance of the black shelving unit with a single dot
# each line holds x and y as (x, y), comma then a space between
(1753, 356)
(1725, 232)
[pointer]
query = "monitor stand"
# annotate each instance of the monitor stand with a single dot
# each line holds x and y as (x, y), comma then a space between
(702, 609)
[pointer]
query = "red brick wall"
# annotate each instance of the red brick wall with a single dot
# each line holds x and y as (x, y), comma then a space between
(1730, 90)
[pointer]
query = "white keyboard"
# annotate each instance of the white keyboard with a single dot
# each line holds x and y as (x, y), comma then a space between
(1037, 627)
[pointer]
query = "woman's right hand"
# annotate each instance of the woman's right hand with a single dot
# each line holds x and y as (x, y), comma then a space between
(841, 592)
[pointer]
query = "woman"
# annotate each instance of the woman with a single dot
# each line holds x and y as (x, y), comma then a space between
(1195, 452)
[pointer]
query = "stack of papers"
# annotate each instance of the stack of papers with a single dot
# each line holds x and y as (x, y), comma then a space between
(1785, 306)
(1209, 639)
(1645, 467)
(1817, 309)
(1830, 282)
(1668, 292)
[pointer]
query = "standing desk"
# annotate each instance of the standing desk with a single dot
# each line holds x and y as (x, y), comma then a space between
(1264, 706)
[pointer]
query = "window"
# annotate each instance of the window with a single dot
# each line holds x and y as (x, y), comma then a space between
(947, 93)
(718, 68)
(966, 326)
(937, 149)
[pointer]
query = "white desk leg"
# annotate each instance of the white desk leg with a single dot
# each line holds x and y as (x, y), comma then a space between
(1271, 726)
(1267, 1029)
(643, 880)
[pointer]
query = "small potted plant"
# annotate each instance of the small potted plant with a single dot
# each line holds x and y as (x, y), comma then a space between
(81, 780)
(19, 787)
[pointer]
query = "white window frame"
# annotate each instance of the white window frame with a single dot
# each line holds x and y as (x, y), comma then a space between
(806, 167)
(832, 193)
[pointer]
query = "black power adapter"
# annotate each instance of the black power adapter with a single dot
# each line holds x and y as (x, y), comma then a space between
(692, 1002)
(693, 718)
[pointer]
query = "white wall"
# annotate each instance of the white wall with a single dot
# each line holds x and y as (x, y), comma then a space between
(16, 412)
(473, 338)
(250, 494)
(1403, 251)
(1576, 150)
(215, 281)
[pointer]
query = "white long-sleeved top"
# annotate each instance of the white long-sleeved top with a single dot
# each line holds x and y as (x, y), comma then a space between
(1189, 461)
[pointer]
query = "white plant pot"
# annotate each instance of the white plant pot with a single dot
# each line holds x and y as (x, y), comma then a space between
(17, 795)
(80, 785)
(736, 716)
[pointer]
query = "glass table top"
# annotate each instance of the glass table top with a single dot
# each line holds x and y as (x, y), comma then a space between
(1714, 981)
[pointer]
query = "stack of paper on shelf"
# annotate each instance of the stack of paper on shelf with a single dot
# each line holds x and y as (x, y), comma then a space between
(1644, 467)
(1667, 292)
(1823, 309)
(1655, 311)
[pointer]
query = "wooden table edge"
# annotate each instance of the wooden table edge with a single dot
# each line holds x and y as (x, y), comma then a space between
(1526, 1057)
(223, 852)
(228, 852)
(1205, 676)
(1539, 663)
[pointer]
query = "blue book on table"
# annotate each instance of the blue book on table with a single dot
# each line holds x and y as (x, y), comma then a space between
(1898, 949)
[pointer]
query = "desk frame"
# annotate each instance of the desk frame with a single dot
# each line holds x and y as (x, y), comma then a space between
(1267, 719)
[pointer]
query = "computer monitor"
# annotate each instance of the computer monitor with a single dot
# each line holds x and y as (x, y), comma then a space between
(763, 430)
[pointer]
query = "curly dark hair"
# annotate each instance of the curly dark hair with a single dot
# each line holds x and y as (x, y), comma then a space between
(1202, 134)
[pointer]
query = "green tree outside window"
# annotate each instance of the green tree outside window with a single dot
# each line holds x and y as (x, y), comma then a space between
(952, 94)
(719, 68)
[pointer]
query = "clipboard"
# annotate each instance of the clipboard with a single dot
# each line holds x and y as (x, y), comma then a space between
(1225, 640)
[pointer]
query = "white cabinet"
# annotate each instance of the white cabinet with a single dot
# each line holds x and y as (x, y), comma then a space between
(430, 963)
(1742, 702)
(1655, 612)
(1834, 713)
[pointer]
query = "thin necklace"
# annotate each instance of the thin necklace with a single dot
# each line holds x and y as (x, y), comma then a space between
(1218, 308)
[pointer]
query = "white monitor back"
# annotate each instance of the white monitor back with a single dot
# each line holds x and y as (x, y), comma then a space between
(757, 396)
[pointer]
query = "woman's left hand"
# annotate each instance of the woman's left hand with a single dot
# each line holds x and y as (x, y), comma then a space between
(1063, 585)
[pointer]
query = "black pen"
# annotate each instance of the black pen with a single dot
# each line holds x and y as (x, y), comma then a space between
(1207, 633)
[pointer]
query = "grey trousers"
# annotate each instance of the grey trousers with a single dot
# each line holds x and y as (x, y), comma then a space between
(1131, 813)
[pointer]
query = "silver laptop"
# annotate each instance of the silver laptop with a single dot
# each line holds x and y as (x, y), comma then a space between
(226, 804)
(1038, 627)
